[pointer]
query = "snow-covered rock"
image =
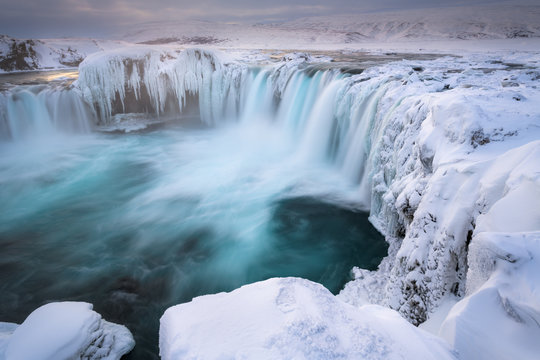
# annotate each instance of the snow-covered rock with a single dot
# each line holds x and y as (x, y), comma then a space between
(451, 155)
(64, 331)
(6, 330)
(47, 54)
(290, 318)
(500, 319)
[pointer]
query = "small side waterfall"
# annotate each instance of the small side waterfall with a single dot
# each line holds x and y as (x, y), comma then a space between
(40, 110)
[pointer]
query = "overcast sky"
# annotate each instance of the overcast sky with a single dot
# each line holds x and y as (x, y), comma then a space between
(59, 18)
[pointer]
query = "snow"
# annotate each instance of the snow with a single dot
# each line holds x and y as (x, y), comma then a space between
(290, 318)
(6, 330)
(453, 156)
(499, 319)
(64, 330)
(456, 26)
(471, 28)
(52, 54)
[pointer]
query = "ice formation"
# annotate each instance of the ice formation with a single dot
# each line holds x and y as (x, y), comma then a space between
(64, 331)
(290, 318)
(161, 81)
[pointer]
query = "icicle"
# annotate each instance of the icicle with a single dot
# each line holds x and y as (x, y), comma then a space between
(105, 78)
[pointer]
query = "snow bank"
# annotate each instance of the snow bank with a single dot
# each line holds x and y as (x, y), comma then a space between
(290, 318)
(6, 330)
(499, 320)
(64, 330)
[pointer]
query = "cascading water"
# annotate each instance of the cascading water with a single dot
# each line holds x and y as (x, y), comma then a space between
(40, 109)
(135, 223)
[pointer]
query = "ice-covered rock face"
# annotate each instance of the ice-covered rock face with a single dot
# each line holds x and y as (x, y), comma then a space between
(154, 81)
(65, 331)
(449, 165)
(290, 318)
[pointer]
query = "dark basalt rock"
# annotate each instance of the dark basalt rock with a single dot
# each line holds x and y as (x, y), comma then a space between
(21, 56)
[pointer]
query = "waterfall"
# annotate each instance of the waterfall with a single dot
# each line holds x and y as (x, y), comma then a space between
(333, 117)
(39, 110)
(329, 113)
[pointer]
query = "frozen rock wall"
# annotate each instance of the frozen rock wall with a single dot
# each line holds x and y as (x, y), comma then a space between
(443, 165)
(154, 81)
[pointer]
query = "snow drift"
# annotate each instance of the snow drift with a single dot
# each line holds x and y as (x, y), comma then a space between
(290, 318)
(63, 331)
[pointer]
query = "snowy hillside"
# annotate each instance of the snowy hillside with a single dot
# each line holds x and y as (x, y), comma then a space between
(47, 54)
(464, 23)
(433, 28)
(436, 24)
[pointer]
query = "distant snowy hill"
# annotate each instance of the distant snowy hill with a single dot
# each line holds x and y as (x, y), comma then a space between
(441, 28)
(47, 54)
(478, 22)
(452, 23)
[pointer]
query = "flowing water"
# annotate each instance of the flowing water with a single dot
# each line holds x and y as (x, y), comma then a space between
(137, 222)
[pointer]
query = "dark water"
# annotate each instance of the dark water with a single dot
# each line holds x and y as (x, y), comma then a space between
(135, 223)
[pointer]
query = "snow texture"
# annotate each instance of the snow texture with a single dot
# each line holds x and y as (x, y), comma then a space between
(48, 54)
(498, 25)
(449, 23)
(451, 158)
(64, 331)
(500, 318)
(290, 318)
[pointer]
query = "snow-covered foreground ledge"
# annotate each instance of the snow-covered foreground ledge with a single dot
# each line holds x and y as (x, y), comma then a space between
(500, 319)
(290, 318)
(64, 331)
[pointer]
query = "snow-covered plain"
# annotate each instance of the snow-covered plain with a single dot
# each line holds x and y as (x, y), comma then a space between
(445, 153)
